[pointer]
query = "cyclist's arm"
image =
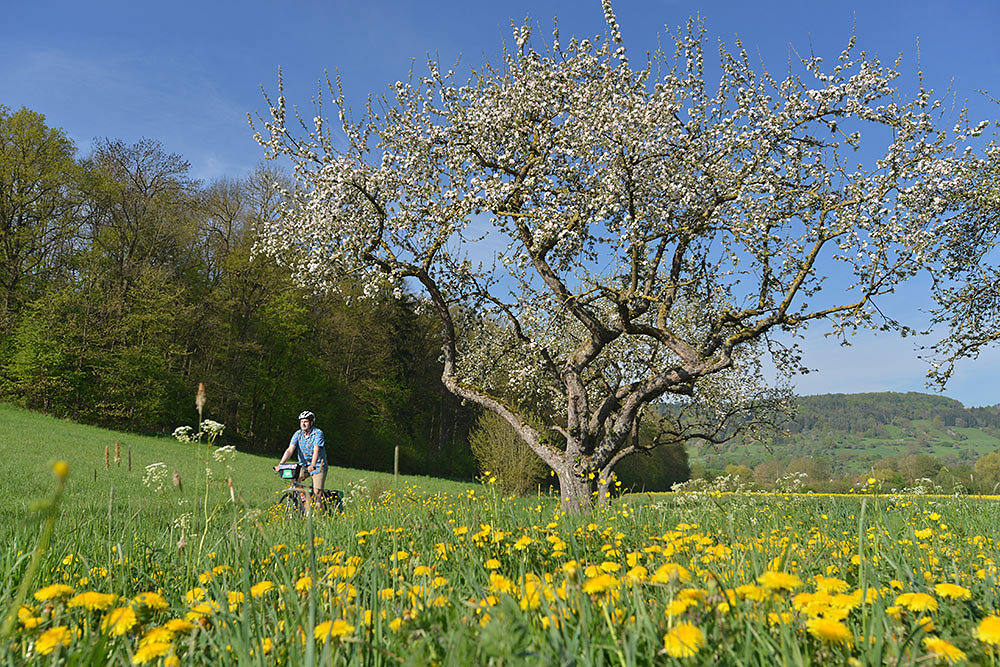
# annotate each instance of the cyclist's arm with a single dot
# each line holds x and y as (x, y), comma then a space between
(289, 452)
(321, 441)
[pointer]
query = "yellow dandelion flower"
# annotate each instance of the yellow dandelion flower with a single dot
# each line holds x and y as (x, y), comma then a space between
(944, 649)
(774, 580)
(303, 584)
(235, 599)
(261, 588)
(917, 601)
(93, 600)
(953, 591)
(637, 574)
(27, 618)
(119, 621)
(670, 573)
(988, 631)
(395, 624)
(335, 629)
(753, 592)
(52, 639)
(54, 592)
(829, 630)
(201, 611)
(500, 583)
(522, 543)
(151, 601)
(683, 641)
(830, 584)
(492, 564)
(150, 652)
(179, 626)
(599, 584)
(157, 635)
(784, 618)
(421, 571)
(679, 606)
(194, 595)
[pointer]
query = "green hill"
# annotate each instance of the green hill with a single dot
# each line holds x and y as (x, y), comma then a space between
(29, 440)
(851, 433)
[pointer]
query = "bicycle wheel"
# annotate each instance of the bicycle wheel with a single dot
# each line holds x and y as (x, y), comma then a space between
(290, 504)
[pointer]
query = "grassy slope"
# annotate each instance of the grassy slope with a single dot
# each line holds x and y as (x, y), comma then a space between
(28, 441)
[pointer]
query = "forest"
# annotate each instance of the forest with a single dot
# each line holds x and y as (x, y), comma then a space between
(125, 282)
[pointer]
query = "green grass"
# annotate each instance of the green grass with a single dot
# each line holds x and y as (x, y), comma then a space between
(435, 572)
(29, 440)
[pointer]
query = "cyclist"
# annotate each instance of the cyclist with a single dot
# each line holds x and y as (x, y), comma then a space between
(308, 443)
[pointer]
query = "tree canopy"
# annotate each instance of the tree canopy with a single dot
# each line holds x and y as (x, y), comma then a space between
(596, 235)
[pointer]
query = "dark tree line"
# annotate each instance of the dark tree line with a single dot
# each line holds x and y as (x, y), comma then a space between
(124, 282)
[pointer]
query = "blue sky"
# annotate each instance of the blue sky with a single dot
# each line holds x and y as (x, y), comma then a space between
(187, 73)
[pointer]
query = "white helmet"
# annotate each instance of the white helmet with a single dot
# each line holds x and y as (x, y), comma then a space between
(305, 414)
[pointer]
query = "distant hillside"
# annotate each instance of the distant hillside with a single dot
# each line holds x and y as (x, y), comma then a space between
(854, 432)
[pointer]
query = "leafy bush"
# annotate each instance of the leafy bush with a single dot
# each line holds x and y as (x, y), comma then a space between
(500, 452)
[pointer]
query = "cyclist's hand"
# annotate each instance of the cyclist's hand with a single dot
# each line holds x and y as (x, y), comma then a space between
(275, 468)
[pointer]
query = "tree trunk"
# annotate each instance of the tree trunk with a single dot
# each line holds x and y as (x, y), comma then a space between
(574, 490)
(604, 489)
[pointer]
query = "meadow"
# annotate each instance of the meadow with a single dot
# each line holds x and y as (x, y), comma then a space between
(140, 570)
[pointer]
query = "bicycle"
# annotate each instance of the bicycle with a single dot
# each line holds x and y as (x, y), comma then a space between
(294, 499)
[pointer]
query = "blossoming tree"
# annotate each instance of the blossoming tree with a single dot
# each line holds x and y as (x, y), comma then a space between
(598, 237)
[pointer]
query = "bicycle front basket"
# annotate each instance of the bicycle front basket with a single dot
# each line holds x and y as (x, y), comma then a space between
(288, 470)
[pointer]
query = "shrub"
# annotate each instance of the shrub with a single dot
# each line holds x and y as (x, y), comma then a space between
(500, 452)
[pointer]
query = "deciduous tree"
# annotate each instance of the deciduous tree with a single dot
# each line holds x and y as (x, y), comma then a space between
(596, 236)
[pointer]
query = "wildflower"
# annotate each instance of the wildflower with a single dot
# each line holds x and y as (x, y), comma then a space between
(335, 629)
(235, 599)
(54, 592)
(683, 641)
(179, 626)
(522, 543)
(150, 652)
(52, 639)
(953, 591)
(784, 618)
(917, 601)
(26, 618)
(679, 606)
(829, 630)
(261, 588)
(152, 601)
(500, 583)
(830, 584)
(93, 600)
(773, 580)
(944, 649)
(637, 574)
(670, 573)
(599, 584)
(492, 564)
(194, 595)
(60, 469)
(159, 634)
(988, 630)
(303, 584)
(119, 621)
(201, 611)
